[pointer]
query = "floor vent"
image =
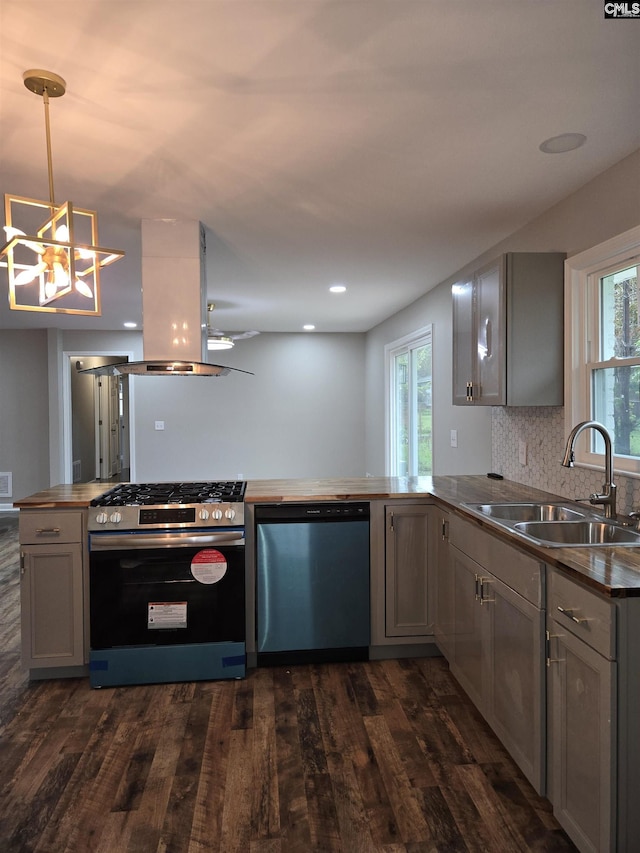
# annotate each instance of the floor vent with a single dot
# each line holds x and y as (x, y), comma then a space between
(6, 486)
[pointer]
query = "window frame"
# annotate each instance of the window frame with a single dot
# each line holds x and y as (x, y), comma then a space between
(582, 274)
(414, 340)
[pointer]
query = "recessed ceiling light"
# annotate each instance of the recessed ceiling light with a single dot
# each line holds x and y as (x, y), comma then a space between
(308, 327)
(337, 288)
(130, 325)
(562, 143)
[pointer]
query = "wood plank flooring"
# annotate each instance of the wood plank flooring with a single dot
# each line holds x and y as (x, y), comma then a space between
(382, 756)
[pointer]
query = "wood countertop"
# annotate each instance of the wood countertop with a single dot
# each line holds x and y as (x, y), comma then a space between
(78, 495)
(614, 571)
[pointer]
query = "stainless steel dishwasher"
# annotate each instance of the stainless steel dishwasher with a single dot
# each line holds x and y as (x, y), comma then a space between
(313, 582)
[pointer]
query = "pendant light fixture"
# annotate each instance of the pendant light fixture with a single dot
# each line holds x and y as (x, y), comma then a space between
(53, 263)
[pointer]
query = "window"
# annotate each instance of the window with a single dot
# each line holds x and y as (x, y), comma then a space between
(409, 427)
(603, 349)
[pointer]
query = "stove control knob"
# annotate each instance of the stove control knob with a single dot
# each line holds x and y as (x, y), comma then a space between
(102, 518)
(115, 517)
(203, 514)
(217, 514)
(230, 514)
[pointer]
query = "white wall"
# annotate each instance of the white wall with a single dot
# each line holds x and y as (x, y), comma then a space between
(300, 415)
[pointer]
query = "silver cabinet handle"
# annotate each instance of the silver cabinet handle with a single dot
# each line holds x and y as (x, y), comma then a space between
(48, 530)
(484, 600)
(569, 613)
(549, 659)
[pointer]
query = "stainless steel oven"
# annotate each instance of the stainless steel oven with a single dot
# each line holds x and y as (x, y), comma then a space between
(167, 585)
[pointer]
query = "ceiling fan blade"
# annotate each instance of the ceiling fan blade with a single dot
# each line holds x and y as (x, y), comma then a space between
(241, 336)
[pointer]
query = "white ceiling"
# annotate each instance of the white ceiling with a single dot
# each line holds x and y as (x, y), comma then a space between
(382, 144)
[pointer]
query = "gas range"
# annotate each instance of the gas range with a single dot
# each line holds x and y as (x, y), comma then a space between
(167, 506)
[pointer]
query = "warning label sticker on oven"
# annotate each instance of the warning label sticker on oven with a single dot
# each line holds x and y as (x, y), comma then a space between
(209, 566)
(167, 614)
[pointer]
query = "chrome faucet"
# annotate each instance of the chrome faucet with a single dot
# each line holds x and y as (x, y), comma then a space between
(608, 496)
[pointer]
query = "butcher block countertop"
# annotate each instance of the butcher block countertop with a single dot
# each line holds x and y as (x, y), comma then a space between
(614, 571)
(78, 495)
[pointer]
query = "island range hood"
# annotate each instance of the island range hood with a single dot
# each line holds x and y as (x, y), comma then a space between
(174, 304)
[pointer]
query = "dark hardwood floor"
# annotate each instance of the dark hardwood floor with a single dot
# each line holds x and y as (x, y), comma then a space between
(380, 756)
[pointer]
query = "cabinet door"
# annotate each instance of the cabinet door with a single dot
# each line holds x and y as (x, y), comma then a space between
(52, 605)
(581, 685)
(444, 625)
(464, 358)
(470, 657)
(516, 689)
(408, 600)
(490, 335)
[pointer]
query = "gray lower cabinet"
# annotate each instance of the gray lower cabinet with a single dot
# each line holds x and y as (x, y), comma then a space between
(498, 644)
(572, 725)
(408, 610)
(403, 539)
(593, 659)
(52, 589)
(444, 616)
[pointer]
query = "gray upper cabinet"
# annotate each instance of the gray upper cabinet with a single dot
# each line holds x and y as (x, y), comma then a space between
(508, 324)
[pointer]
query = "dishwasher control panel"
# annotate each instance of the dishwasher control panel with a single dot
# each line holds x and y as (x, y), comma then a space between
(330, 511)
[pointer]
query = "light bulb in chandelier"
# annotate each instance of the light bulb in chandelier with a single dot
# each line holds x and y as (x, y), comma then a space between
(68, 258)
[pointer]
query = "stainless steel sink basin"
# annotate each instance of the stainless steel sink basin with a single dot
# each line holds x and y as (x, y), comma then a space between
(571, 534)
(527, 511)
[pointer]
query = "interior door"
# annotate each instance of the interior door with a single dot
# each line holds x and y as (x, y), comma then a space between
(108, 413)
(114, 426)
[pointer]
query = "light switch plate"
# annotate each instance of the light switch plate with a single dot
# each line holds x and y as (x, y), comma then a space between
(454, 438)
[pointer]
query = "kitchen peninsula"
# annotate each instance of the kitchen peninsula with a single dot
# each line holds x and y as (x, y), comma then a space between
(544, 640)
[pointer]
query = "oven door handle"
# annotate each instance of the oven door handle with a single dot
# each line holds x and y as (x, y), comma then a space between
(112, 542)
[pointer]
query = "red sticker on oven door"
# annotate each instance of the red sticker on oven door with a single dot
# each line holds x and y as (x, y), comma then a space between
(209, 566)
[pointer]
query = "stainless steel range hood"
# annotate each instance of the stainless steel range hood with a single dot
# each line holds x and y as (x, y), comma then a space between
(174, 304)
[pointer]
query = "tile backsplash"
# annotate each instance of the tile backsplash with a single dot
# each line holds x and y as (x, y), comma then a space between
(543, 430)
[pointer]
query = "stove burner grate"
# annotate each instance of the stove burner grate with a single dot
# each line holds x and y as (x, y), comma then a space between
(152, 494)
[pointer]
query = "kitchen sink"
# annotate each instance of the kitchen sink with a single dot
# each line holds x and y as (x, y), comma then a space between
(556, 525)
(571, 534)
(527, 511)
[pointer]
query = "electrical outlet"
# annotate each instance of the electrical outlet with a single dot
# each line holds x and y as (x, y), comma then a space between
(159, 424)
(522, 452)
(454, 438)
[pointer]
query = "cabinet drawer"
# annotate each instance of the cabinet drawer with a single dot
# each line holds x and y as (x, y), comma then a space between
(582, 612)
(518, 570)
(49, 527)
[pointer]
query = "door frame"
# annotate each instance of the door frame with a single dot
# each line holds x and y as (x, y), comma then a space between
(69, 357)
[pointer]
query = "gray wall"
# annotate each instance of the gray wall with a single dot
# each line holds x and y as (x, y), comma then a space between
(24, 410)
(300, 415)
(608, 205)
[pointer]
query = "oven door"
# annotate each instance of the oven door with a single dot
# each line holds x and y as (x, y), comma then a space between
(163, 605)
